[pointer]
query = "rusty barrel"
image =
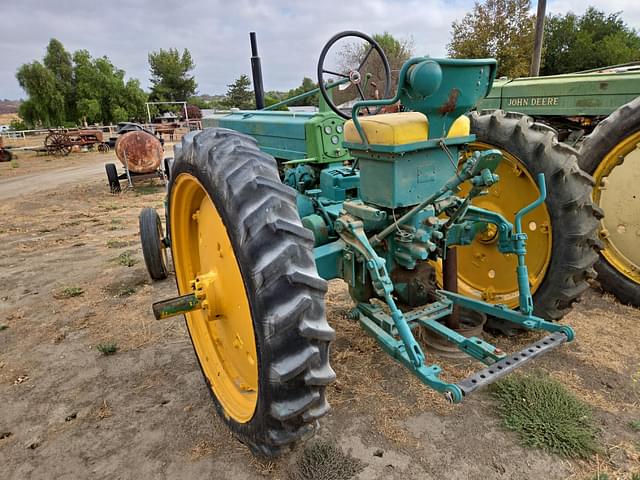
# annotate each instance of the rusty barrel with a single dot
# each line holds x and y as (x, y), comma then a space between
(143, 151)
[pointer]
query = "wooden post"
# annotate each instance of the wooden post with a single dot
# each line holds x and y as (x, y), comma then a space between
(534, 70)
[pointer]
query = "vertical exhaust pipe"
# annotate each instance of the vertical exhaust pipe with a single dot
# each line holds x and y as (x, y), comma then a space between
(256, 72)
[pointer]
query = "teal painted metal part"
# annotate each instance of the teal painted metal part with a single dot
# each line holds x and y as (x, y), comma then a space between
(352, 233)
(278, 133)
(292, 137)
(530, 322)
(427, 374)
(329, 259)
(442, 89)
(339, 183)
(312, 137)
(403, 180)
(382, 328)
(524, 291)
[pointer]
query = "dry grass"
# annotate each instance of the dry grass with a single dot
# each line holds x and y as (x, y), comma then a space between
(203, 448)
(104, 411)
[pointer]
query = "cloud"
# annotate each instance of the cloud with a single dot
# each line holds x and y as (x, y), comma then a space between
(290, 33)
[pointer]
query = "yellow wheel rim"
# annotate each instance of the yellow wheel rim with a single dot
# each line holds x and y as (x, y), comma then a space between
(618, 194)
(484, 272)
(222, 334)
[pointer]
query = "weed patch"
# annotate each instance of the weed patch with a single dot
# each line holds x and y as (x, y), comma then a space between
(115, 243)
(146, 190)
(68, 292)
(323, 460)
(546, 415)
(126, 259)
(125, 292)
(108, 348)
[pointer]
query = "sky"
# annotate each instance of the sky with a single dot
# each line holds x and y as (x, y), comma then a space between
(290, 33)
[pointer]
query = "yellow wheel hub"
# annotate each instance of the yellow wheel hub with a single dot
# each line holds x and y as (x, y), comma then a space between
(617, 192)
(222, 332)
(484, 272)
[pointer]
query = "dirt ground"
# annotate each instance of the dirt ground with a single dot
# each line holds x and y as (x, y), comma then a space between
(67, 411)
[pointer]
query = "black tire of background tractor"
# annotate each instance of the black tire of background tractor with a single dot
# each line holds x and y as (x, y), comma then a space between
(152, 246)
(625, 121)
(112, 177)
(285, 293)
(574, 217)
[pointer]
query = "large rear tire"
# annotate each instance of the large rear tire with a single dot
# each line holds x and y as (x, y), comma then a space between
(612, 155)
(562, 246)
(264, 347)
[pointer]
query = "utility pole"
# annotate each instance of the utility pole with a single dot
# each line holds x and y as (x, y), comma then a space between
(534, 70)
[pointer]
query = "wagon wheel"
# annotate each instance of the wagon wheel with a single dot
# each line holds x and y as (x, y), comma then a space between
(58, 144)
(103, 148)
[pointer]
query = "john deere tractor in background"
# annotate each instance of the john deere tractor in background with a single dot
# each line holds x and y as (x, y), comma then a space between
(254, 239)
(598, 112)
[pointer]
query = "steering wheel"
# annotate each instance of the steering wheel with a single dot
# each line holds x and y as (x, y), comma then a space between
(355, 76)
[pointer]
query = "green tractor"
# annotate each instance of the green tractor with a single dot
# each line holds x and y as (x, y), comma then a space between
(383, 201)
(597, 111)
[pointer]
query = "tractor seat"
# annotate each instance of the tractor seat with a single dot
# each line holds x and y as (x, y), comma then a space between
(399, 128)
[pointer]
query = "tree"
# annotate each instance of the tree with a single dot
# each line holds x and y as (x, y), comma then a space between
(69, 89)
(595, 39)
(170, 77)
(45, 105)
(239, 95)
(101, 92)
(58, 61)
(500, 29)
(306, 86)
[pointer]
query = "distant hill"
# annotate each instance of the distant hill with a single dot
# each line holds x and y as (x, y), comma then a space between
(9, 106)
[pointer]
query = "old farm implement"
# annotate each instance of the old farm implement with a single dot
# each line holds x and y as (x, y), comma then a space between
(61, 142)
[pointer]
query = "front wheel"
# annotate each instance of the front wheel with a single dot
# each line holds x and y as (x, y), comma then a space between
(112, 178)
(154, 249)
(612, 155)
(561, 246)
(262, 341)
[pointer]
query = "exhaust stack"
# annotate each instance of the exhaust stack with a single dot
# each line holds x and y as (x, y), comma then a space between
(256, 72)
